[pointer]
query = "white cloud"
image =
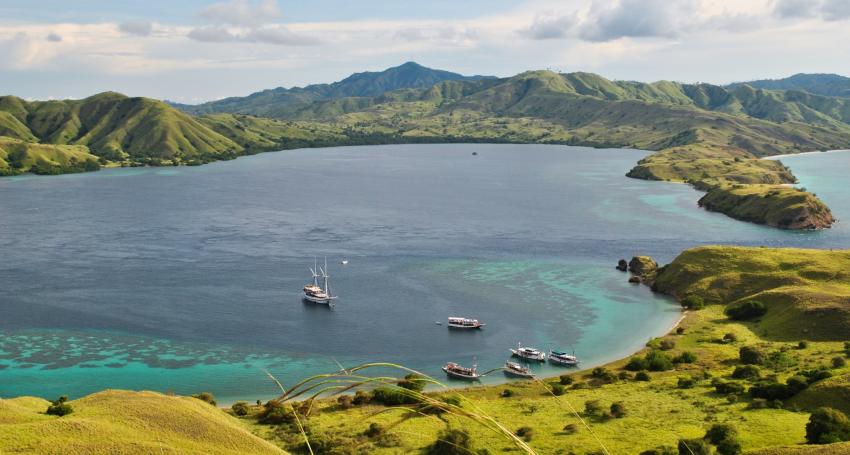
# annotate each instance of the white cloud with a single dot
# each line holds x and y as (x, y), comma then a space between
(138, 28)
(441, 35)
(636, 19)
(549, 25)
(54, 38)
(836, 10)
(271, 34)
(796, 8)
(242, 12)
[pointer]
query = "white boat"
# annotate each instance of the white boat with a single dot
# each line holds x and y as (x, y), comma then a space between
(464, 323)
(460, 372)
(528, 353)
(517, 370)
(320, 294)
(562, 358)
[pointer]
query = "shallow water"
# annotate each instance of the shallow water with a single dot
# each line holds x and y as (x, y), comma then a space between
(188, 279)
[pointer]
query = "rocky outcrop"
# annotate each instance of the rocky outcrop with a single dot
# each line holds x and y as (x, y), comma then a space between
(643, 267)
(622, 265)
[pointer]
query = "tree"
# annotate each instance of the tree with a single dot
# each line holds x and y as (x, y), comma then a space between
(685, 357)
(693, 302)
(240, 408)
(725, 437)
(751, 355)
(451, 442)
(746, 372)
(413, 382)
(694, 447)
(746, 310)
(637, 364)
(206, 396)
(592, 407)
(59, 407)
(526, 433)
(827, 425)
(618, 409)
(658, 361)
(642, 376)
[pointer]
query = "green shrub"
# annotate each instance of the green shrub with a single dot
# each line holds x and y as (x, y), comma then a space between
(746, 310)
(361, 397)
(802, 345)
(693, 302)
(694, 447)
(826, 426)
(60, 407)
(730, 337)
(526, 433)
(413, 382)
(393, 396)
(780, 361)
(838, 362)
(558, 390)
(451, 442)
(592, 408)
(637, 364)
(667, 344)
(275, 413)
(685, 357)
(727, 387)
(206, 397)
(565, 379)
(571, 428)
(618, 409)
(658, 361)
(240, 408)
(374, 430)
(642, 376)
(817, 374)
(345, 401)
(719, 432)
(661, 450)
(771, 390)
(603, 375)
(507, 393)
(751, 355)
(686, 383)
(729, 447)
(746, 372)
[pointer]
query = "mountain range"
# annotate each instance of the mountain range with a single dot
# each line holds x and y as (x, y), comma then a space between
(280, 102)
(817, 84)
(412, 103)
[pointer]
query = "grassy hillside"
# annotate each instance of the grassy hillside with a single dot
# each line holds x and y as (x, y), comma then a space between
(121, 422)
(806, 292)
(17, 157)
(777, 206)
(819, 84)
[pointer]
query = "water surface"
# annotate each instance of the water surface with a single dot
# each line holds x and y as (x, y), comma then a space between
(187, 279)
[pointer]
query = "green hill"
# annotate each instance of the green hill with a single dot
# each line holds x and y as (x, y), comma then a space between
(121, 422)
(282, 102)
(818, 84)
(806, 292)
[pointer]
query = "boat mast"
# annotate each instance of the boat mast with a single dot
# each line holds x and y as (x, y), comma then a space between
(315, 275)
(326, 276)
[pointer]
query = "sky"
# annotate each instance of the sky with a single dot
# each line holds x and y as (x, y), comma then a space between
(192, 51)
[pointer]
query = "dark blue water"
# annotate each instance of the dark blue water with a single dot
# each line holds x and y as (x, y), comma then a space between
(188, 279)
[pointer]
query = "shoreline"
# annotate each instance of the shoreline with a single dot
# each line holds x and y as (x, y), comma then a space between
(786, 155)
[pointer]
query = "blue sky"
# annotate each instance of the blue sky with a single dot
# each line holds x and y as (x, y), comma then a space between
(197, 50)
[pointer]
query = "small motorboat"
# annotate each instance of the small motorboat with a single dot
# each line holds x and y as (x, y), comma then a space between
(344, 262)
(517, 370)
(562, 358)
(460, 372)
(528, 353)
(464, 323)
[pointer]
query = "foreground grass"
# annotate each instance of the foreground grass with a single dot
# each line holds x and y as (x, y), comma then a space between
(121, 422)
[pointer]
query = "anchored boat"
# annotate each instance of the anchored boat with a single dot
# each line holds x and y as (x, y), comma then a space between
(461, 372)
(464, 323)
(319, 294)
(517, 370)
(528, 353)
(562, 358)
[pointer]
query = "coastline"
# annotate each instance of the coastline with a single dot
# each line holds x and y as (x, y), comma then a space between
(777, 157)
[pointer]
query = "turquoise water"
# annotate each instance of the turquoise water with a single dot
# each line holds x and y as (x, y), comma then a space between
(188, 279)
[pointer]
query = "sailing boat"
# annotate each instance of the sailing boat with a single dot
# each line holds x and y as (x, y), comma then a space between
(320, 294)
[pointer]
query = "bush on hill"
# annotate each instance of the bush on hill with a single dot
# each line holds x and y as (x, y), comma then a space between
(693, 302)
(240, 408)
(746, 310)
(618, 410)
(59, 407)
(727, 387)
(413, 382)
(637, 364)
(451, 442)
(826, 426)
(751, 355)
(658, 361)
(206, 397)
(642, 376)
(838, 362)
(393, 396)
(746, 372)
(685, 357)
(661, 450)
(725, 437)
(694, 447)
